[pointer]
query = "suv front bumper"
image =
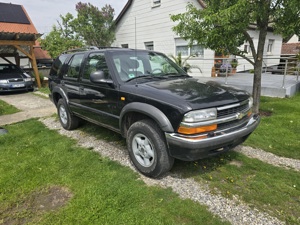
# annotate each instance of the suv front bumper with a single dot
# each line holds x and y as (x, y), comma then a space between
(190, 149)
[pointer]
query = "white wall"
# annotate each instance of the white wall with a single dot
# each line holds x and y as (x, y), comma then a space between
(144, 23)
(294, 39)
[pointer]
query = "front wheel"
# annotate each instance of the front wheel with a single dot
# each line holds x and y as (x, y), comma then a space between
(147, 149)
(67, 121)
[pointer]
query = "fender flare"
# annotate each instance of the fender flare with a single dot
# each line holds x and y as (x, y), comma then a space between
(158, 116)
(61, 92)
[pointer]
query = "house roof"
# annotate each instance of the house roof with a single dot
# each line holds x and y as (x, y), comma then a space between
(14, 19)
(128, 4)
(15, 25)
(290, 48)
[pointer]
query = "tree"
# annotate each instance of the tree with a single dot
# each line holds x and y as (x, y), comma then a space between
(224, 24)
(62, 37)
(94, 25)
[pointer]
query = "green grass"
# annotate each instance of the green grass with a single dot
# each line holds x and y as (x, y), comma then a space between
(34, 159)
(44, 90)
(280, 132)
(6, 109)
(263, 186)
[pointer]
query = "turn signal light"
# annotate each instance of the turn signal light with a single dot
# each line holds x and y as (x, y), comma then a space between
(197, 130)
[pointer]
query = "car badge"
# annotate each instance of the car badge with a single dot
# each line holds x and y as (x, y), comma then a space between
(239, 116)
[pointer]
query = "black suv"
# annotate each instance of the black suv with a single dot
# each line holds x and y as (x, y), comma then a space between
(162, 111)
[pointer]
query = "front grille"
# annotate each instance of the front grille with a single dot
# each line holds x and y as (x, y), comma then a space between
(15, 80)
(238, 111)
(234, 110)
(233, 124)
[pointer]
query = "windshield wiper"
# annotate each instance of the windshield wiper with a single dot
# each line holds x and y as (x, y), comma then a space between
(144, 76)
(175, 75)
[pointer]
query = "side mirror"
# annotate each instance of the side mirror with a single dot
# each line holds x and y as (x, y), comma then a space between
(185, 69)
(99, 77)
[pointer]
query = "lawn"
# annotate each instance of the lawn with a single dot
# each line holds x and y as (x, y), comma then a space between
(96, 190)
(279, 131)
(43, 167)
(6, 109)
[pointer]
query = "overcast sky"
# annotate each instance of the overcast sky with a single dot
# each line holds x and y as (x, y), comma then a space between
(45, 13)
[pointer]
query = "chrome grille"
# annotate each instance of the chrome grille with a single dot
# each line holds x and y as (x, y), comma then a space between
(15, 80)
(237, 108)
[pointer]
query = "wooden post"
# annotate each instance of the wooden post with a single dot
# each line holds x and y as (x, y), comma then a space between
(34, 66)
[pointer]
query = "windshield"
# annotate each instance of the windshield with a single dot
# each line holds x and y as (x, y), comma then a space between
(131, 65)
(9, 69)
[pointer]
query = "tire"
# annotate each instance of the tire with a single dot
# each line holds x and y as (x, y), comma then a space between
(147, 149)
(67, 121)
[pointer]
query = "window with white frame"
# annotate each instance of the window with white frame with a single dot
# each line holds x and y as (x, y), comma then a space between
(194, 50)
(124, 45)
(149, 45)
(270, 46)
(182, 46)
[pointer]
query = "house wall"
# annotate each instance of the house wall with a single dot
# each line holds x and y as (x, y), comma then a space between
(144, 23)
(270, 58)
(294, 39)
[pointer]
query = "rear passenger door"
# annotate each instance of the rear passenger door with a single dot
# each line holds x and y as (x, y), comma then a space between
(99, 100)
(71, 73)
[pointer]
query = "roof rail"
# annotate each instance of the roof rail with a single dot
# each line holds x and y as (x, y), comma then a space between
(86, 48)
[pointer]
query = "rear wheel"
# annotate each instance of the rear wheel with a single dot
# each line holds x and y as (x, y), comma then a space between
(147, 148)
(67, 121)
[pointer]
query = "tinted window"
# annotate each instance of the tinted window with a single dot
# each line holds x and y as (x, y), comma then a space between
(74, 66)
(57, 65)
(96, 62)
(133, 64)
(10, 68)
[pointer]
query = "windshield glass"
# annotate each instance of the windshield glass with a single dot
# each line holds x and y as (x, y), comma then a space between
(130, 65)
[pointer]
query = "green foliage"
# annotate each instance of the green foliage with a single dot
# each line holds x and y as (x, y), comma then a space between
(62, 37)
(94, 25)
(91, 27)
(183, 63)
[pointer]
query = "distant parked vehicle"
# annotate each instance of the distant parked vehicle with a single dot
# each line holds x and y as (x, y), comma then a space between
(13, 78)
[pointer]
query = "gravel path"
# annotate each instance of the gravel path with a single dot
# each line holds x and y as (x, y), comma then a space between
(234, 211)
(269, 158)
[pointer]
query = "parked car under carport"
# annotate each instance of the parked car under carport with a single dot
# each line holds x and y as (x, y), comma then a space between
(13, 78)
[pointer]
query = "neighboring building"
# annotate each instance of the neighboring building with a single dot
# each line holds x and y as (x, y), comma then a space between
(146, 24)
(294, 39)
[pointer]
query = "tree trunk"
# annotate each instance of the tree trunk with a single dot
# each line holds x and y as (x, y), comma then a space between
(258, 69)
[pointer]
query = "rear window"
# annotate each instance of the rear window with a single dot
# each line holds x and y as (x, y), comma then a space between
(57, 65)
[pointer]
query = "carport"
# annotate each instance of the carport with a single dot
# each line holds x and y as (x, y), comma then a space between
(17, 36)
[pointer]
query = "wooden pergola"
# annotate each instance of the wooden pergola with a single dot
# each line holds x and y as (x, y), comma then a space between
(21, 46)
(17, 36)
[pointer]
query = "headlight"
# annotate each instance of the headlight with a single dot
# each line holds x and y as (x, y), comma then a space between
(200, 115)
(27, 79)
(3, 81)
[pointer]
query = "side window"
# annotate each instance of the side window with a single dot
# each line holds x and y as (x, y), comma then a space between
(74, 66)
(57, 65)
(95, 62)
(128, 67)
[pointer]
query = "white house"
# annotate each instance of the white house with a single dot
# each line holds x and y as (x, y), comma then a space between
(146, 24)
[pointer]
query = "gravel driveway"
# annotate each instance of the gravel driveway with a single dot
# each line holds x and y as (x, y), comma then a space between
(235, 211)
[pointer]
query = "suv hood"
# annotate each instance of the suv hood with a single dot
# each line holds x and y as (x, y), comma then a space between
(188, 93)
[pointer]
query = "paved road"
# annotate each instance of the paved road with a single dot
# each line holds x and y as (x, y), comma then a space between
(31, 106)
